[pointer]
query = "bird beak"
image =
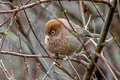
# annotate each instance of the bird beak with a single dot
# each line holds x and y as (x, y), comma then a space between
(46, 39)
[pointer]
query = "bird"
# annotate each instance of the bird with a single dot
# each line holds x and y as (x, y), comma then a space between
(59, 40)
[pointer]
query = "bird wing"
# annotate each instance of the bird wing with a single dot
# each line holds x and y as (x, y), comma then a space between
(79, 30)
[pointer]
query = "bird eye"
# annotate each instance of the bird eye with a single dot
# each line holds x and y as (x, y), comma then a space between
(52, 32)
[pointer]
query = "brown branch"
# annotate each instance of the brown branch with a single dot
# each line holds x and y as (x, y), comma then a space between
(101, 72)
(5, 21)
(22, 55)
(66, 16)
(102, 40)
(8, 3)
(37, 56)
(26, 69)
(41, 2)
(109, 65)
(27, 1)
(5, 71)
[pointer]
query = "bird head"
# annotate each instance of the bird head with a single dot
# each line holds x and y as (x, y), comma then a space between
(53, 28)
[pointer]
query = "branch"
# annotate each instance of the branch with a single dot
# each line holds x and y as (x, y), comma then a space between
(40, 2)
(102, 40)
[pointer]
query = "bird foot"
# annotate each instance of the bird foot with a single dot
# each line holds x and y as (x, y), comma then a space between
(56, 56)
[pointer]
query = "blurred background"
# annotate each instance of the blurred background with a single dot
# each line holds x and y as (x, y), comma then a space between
(21, 39)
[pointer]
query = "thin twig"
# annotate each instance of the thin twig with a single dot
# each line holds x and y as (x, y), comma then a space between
(26, 69)
(50, 68)
(82, 13)
(118, 4)
(37, 73)
(94, 26)
(66, 16)
(98, 11)
(36, 56)
(20, 41)
(100, 70)
(106, 62)
(5, 21)
(64, 70)
(74, 68)
(2, 42)
(5, 71)
(27, 2)
(102, 40)
(41, 2)
(8, 3)
(86, 25)
(116, 41)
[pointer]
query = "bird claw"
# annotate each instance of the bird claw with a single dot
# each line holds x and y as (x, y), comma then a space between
(65, 59)
(86, 64)
(85, 57)
(56, 56)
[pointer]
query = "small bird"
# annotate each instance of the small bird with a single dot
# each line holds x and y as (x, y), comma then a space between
(59, 40)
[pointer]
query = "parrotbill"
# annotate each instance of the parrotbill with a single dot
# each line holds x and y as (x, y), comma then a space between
(59, 40)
